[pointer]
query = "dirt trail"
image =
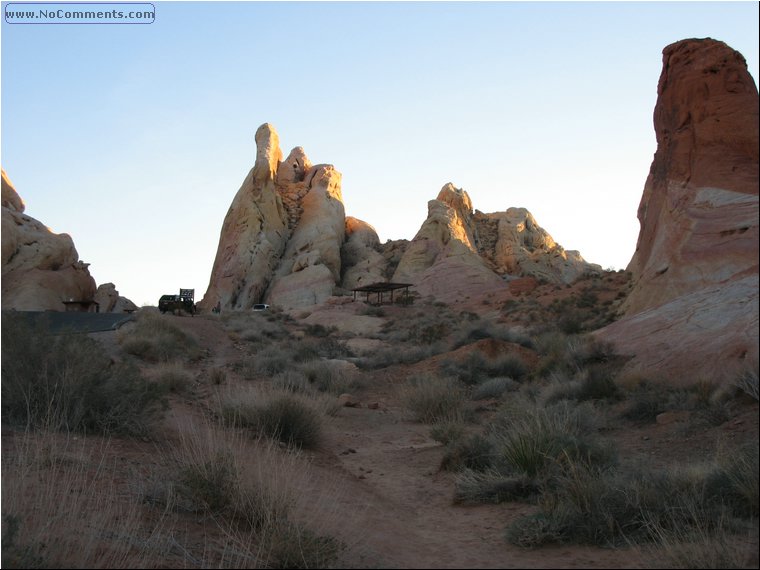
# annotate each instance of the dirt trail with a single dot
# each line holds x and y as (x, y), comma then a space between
(388, 497)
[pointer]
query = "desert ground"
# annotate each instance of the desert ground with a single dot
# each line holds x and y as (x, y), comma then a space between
(386, 475)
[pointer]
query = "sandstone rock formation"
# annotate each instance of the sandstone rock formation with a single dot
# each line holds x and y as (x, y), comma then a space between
(515, 244)
(109, 300)
(363, 262)
(286, 240)
(282, 236)
(40, 269)
(699, 210)
(442, 260)
(693, 308)
(458, 252)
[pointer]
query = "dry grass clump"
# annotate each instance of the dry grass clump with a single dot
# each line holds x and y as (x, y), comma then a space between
(173, 376)
(590, 502)
(433, 398)
(68, 382)
(256, 327)
(475, 368)
(253, 493)
(494, 388)
(292, 418)
(476, 329)
(63, 508)
(154, 338)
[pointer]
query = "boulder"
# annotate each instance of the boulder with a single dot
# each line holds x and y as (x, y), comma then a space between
(40, 269)
(109, 300)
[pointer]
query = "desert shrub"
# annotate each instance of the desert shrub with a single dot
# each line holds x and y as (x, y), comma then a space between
(474, 452)
(318, 330)
(293, 545)
(389, 356)
(493, 388)
(476, 367)
(173, 377)
(217, 376)
(478, 329)
(747, 382)
(491, 486)
(65, 505)
(154, 338)
(329, 377)
(432, 398)
(530, 439)
(448, 430)
(734, 480)
(291, 381)
(588, 504)
(294, 419)
(210, 486)
(69, 382)
(290, 421)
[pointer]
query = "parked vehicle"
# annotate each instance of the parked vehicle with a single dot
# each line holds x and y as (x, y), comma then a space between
(185, 301)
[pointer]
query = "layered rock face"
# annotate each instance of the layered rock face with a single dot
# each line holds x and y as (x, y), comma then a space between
(40, 269)
(693, 308)
(363, 264)
(699, 210)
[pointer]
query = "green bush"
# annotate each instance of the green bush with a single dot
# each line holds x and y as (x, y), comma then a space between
(69, 382)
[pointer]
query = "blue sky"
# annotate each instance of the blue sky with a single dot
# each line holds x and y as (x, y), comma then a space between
(135, 138)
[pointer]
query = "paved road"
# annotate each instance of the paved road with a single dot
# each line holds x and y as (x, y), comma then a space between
(72, 322)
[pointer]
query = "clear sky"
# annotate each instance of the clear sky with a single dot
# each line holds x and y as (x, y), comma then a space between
(135, 138)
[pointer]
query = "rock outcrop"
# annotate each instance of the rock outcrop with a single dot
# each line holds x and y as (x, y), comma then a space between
(282, 236)
(442, 260)
(40, 269)
(458, 252)
(109, 300)
(693, 310)
(363, 262)
(515, 244)
(287, 241)
(699, 210)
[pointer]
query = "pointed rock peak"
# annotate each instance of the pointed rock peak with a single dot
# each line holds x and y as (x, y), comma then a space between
(10, 197)
(295, 167)
(268, 153)
(456, 198)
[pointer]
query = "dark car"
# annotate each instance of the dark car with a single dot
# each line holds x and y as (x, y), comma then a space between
(175, 303)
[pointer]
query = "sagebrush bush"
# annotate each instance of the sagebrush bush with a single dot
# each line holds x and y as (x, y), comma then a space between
(154, 338)
(433, 398)
(69, 382)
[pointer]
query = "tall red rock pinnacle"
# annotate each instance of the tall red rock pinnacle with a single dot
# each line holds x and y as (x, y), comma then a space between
(692, 313)
(698, 213)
